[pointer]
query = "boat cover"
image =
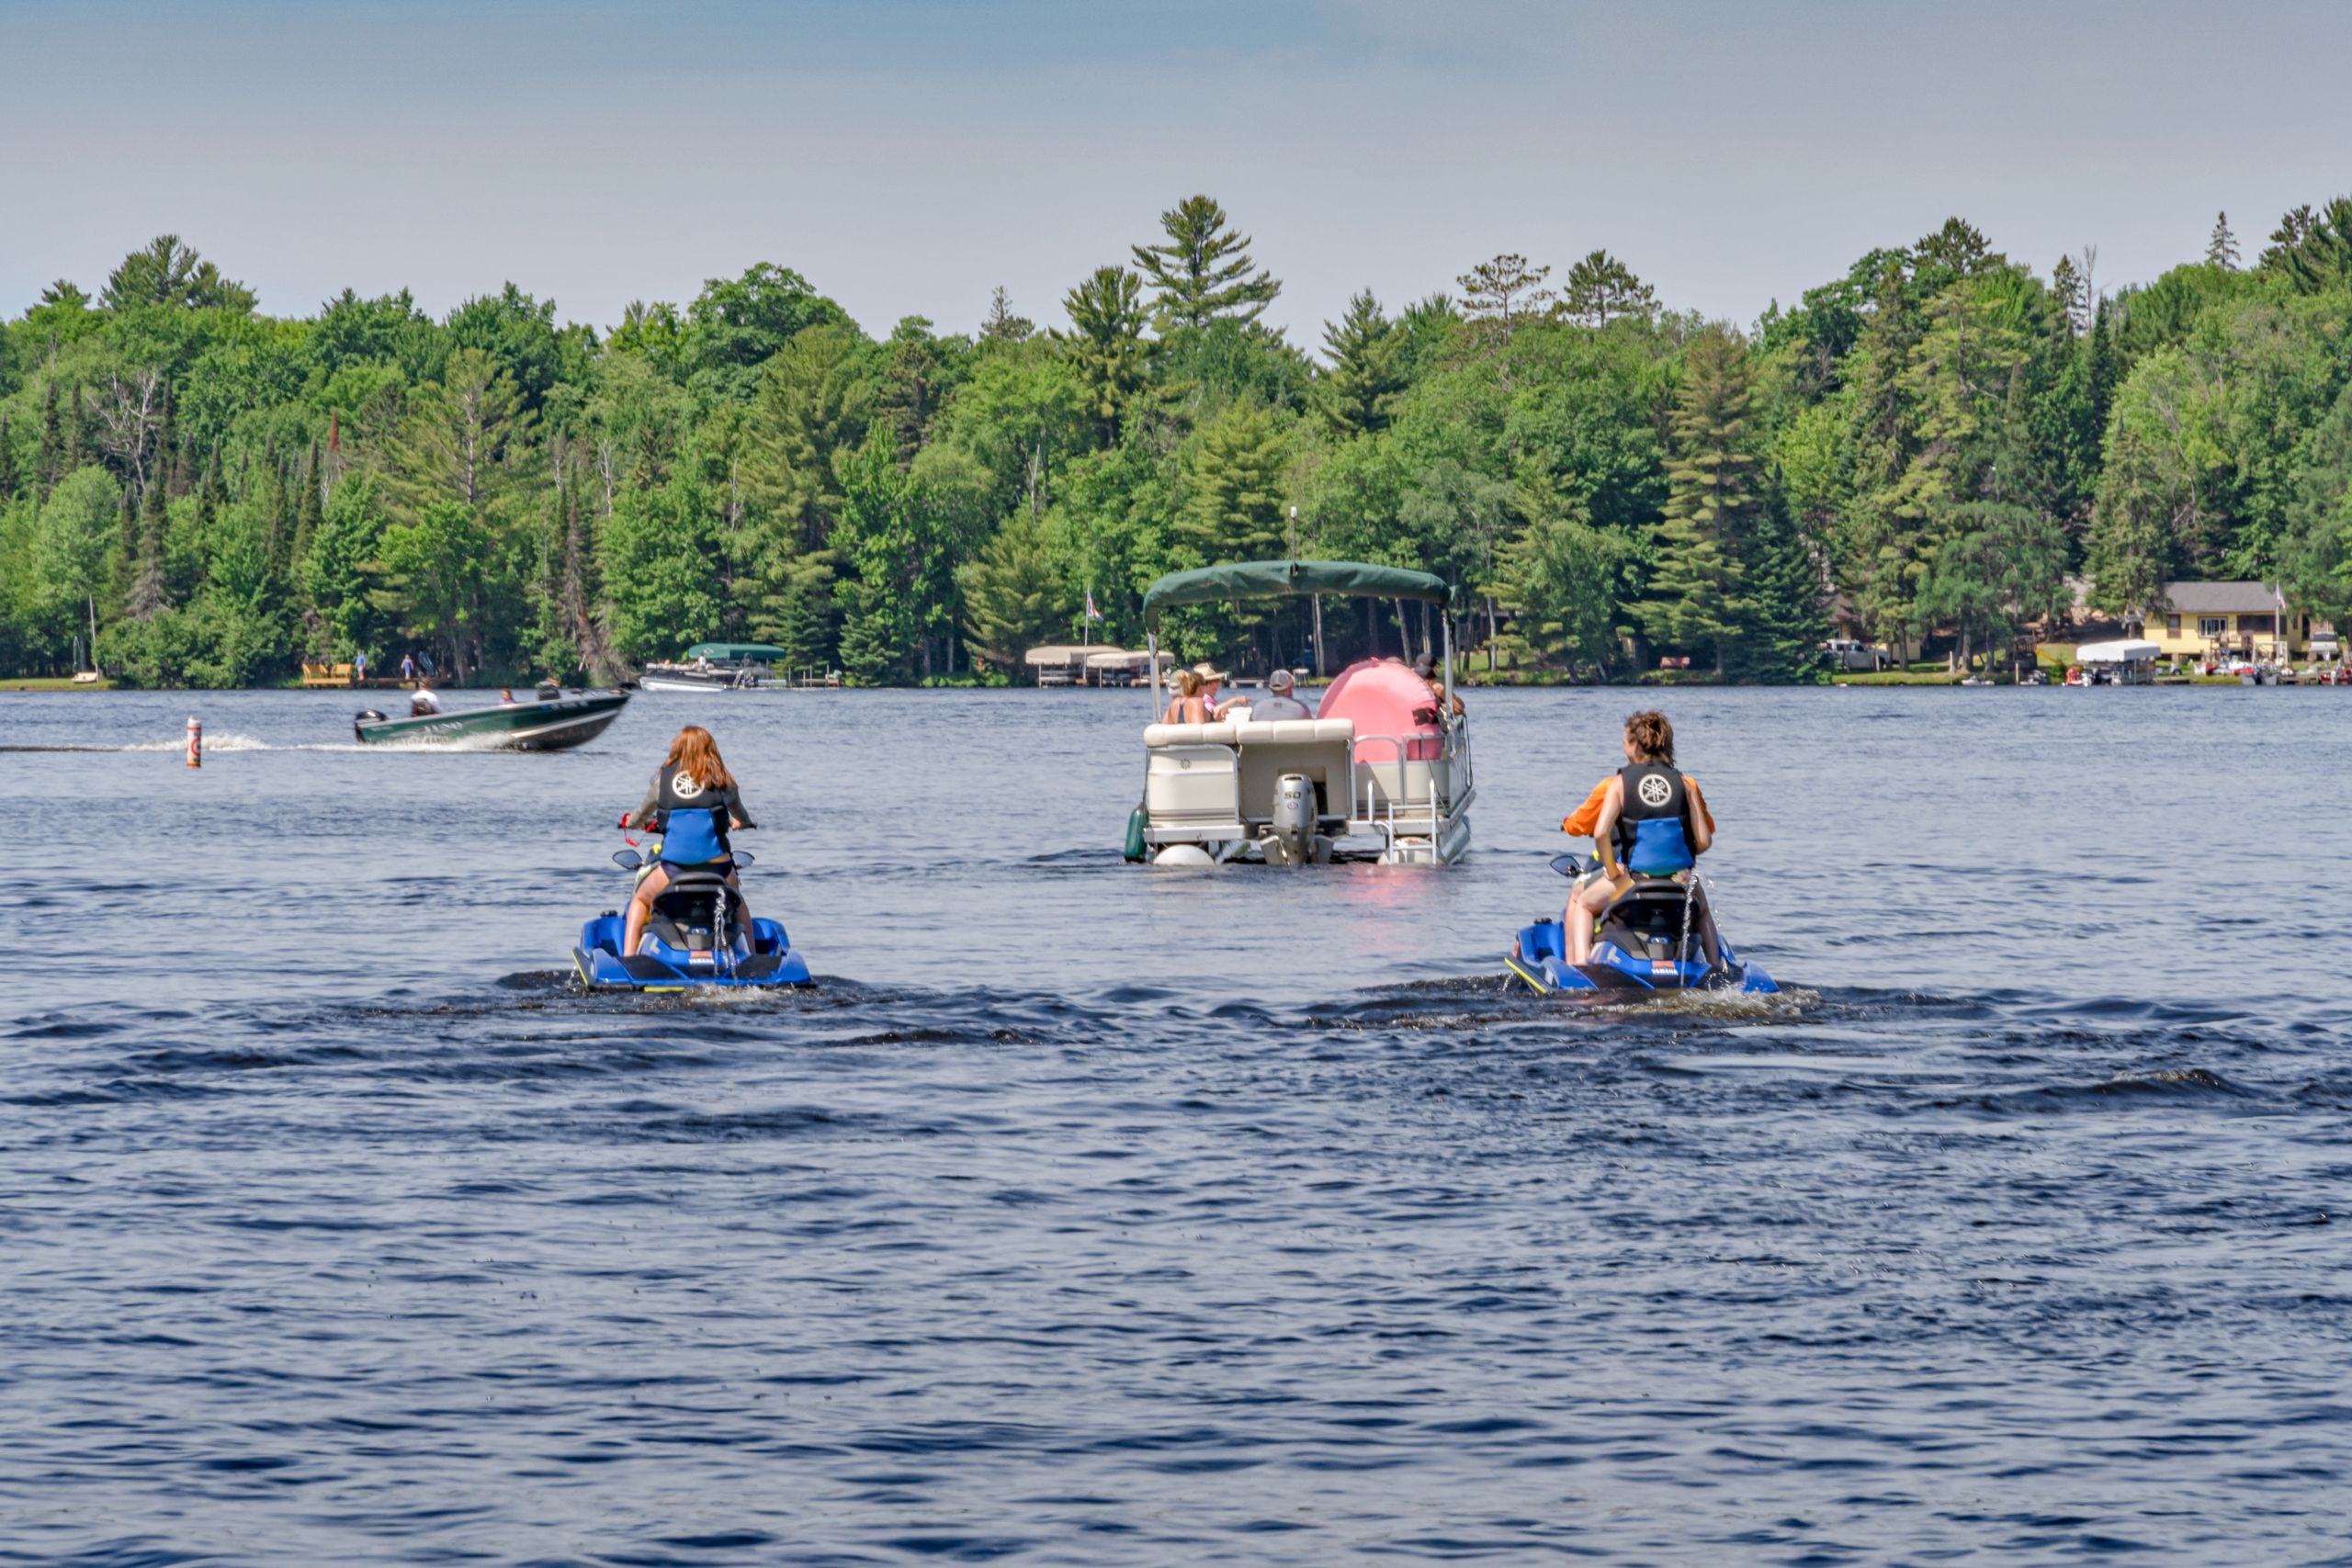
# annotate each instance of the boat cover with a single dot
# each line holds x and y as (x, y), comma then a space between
(1381, 696)
(735, 652)
(1289, 579)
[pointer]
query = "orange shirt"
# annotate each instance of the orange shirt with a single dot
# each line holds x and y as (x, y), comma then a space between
(1580, 822)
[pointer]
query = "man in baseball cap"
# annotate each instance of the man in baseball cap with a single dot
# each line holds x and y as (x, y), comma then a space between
(1280, 700)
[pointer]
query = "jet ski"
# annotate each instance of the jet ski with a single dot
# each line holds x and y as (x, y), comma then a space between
(1650, 939)
(696, 938)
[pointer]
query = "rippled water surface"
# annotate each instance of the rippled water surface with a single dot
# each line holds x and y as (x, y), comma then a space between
(1086, 1213)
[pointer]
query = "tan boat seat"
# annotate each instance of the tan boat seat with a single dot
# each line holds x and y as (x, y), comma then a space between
(1318, 748)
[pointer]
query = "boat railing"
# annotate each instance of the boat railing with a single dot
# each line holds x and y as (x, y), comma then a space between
(1399, 807)
(1389, 811)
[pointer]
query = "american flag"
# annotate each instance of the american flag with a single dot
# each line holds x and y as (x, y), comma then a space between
(1092, 612)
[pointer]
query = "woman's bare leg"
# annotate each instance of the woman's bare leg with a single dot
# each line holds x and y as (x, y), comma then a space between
(1584, 907)
(641, 908)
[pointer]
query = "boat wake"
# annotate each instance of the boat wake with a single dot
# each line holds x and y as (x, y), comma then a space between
(224, 740)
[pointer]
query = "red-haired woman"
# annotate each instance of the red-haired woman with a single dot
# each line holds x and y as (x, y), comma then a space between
(692, 803)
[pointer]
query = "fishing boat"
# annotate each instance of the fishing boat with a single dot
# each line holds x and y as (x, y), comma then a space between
(713, 667)
(1382, 772)
(547, 724)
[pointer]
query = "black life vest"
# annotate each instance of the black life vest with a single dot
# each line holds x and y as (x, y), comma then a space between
(1653, 832)
(691, 819)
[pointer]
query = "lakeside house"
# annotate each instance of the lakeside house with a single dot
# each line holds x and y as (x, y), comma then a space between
(2201, 619)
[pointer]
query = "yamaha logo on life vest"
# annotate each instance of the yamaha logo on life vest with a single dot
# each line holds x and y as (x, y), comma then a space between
(1654, 789)
(685, 787)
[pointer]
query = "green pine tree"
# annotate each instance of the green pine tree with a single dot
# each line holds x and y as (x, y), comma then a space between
(163, 449)
(77, 435)
(1699, 596)
(1233, 489)
(2312, 251)
(1002, 325)
(122, 561)
(147, 589)
(798, 611)
(1358, 395)
(1202, 271)
(49, 458)
(286, 553)
(1505, 291)
(8, 464)
(1012, 601)
(2221, 248)
(1779, 637)
(1600, 289)
(875, 542)
(1104, 345)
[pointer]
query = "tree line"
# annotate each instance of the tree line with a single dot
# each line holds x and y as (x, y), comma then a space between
(1930, 446)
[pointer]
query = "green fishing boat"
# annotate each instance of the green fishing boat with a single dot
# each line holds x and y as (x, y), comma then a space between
(546, 723)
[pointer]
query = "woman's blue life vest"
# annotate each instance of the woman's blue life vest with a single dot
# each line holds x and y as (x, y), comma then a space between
(1652, 833)
(694, 831)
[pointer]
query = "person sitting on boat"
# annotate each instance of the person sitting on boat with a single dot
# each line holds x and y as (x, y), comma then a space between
(1212, 681)
(1184, 704)
(506, 697)
(692, 802)
(1426, 668)
(424, 704)
(1652, 822)
(1280, 700)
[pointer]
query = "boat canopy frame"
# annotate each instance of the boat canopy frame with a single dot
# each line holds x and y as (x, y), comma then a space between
(1295, 579)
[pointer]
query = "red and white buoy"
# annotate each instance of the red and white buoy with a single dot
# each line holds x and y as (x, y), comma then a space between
(195, 743)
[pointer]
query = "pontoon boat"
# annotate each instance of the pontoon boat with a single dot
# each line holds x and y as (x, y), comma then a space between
(1380, 772)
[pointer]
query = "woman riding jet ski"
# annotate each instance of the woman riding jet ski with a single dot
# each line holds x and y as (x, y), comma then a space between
(688, 923)
(1642, 922)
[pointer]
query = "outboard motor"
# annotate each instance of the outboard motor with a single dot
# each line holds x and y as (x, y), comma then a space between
(1293, 818)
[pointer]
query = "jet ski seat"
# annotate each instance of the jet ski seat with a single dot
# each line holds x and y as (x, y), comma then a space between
(1648, 919)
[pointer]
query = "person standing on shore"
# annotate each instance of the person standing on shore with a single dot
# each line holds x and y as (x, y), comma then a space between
(359, 668)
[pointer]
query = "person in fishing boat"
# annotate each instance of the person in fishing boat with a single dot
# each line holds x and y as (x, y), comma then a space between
(1648, 819)
(693, 802)
(424, 704)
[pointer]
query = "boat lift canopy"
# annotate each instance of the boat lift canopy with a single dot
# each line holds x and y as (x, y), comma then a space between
(1291, 579)
(736, 652)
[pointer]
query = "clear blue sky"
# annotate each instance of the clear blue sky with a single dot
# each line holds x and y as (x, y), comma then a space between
(907, 155)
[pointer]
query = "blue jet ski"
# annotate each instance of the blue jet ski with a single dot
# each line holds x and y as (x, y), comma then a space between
(1651, 938)
(695, 939)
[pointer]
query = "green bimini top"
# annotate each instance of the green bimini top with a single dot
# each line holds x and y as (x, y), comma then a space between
(1291, 579)
(734, 652)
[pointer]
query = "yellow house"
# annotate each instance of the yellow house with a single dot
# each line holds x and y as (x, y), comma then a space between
(2243, 618)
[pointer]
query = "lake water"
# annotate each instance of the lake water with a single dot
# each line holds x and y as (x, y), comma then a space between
(1088, 1213)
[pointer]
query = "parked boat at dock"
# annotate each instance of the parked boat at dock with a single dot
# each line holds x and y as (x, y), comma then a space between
(713, 667)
